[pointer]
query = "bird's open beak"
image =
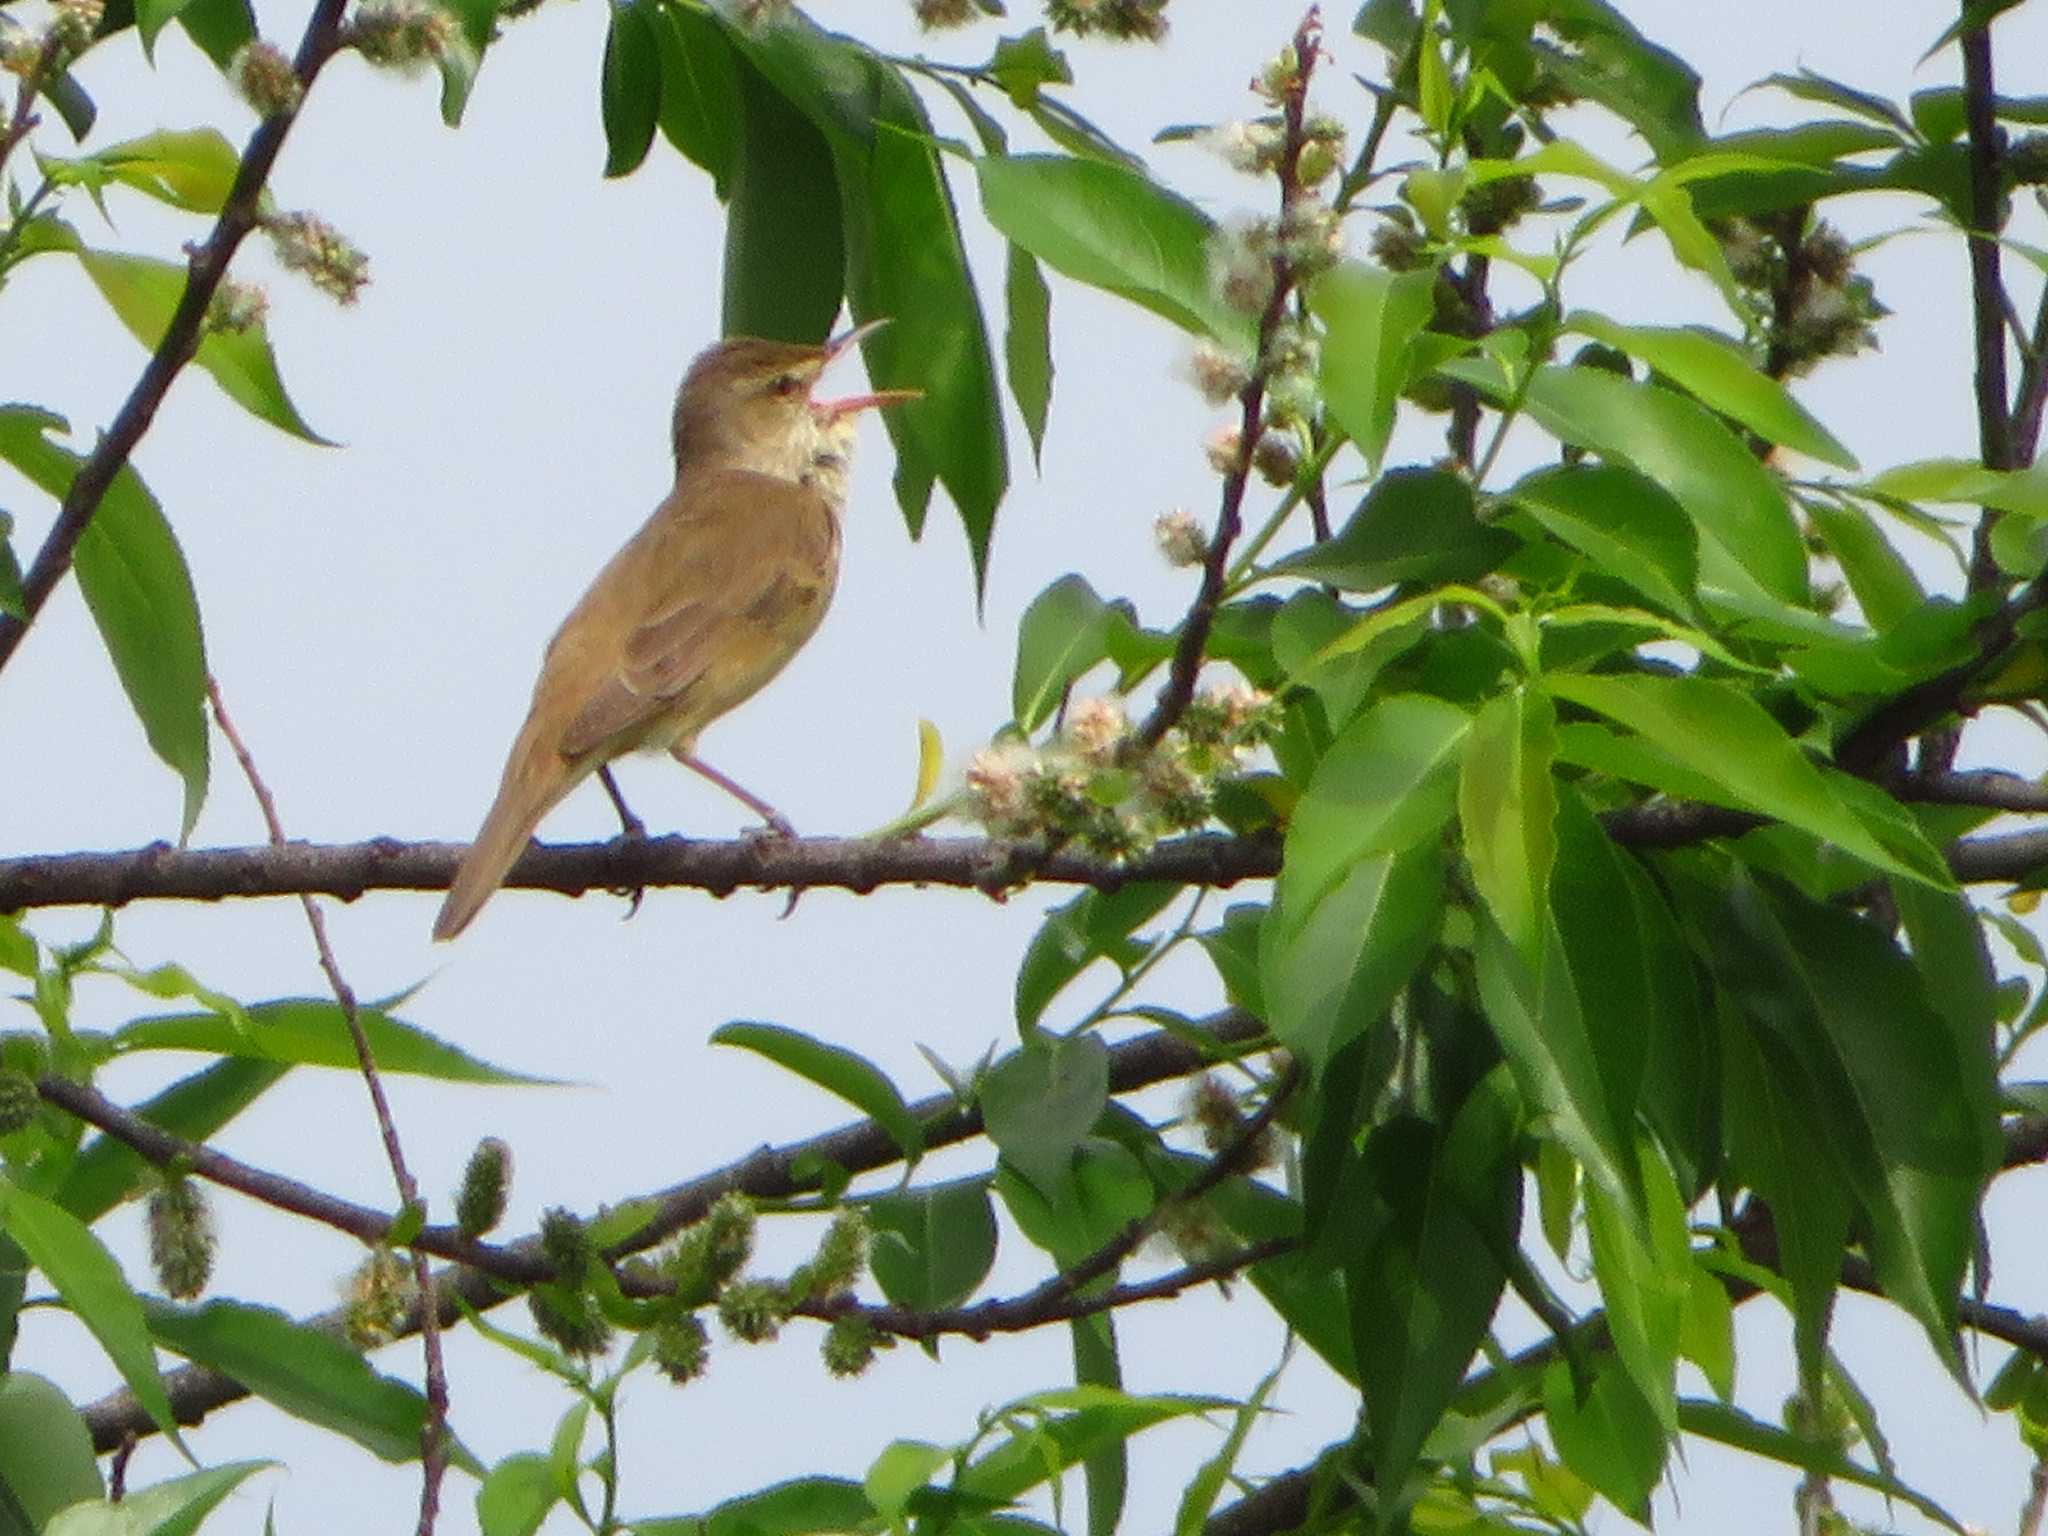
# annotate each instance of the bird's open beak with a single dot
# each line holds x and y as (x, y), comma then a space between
(845, 341)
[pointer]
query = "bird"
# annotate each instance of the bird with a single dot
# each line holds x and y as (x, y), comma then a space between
(703, 606)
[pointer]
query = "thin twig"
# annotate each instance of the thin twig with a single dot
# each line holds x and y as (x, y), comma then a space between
(209, 266)
(1191, 649)
(434, 1432)
(1044, 1305)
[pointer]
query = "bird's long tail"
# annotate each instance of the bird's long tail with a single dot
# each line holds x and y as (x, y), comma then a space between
(536, 778)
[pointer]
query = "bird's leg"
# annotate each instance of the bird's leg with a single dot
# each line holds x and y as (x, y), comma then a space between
(777, 823)
(753, 802)
(630, 826)
(631, 829)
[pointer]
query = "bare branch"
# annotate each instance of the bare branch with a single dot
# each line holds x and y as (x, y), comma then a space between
(434, 1432)
(1988, 298)
(161, 872)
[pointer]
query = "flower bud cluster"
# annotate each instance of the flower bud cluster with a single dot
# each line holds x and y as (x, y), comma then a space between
(1805, 281)
(1092, 787)
(1254, 148)
(380, 1294)
(19, 1101)
(942, 15)
(1276, 455)
(181, 1238)
(1180, 538)
(266, 79)
(236, 307)
(75, 23)
(1220, 375)
(406, 35)
(1141, 21)
(486, 1181)
(308, 244)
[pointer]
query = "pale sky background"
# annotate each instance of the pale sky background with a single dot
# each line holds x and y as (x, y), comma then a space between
(375, 614)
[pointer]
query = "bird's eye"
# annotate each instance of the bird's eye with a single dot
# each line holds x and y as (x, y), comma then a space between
(787, 383)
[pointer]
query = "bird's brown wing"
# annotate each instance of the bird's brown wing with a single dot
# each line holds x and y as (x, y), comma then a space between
(712, 598)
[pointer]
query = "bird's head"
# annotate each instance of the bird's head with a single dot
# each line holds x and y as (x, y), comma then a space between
(747, 403)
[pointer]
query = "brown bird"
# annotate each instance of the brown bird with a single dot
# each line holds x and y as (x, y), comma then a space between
(704, 605)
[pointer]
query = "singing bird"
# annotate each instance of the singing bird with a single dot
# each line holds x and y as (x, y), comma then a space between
(703, 606)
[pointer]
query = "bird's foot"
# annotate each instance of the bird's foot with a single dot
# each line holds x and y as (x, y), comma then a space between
(776, 829)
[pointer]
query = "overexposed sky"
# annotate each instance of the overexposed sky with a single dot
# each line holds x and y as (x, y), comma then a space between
(375, 614)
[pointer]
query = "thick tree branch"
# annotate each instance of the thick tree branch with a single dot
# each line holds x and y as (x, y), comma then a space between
(238, 216)
(771, 1173)
(348, 870)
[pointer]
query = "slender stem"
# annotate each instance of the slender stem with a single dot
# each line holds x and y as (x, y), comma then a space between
(434, 1432)
(1165, 946)
(238, 216)
(1189, 654)
(1311, 474)
(1987, 287)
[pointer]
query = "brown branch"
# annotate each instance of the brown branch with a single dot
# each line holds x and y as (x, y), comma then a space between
(434, 1431)
(209, 266)
(1192, 647)
(160, 872)
(1987, 285)
(487, 1270)
(1044, 1305)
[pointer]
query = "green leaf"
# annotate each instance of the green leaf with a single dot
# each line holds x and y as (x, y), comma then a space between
(1105, 1470)
(1715, 371)
(835, 1069)
(46, 1455)
(1425, 1275)
(1600, 56)
(84, 1274)
(1387, 783)
(1330, 965)
(804, 1506)
(517, 1495)
(1637, 992)
(144, 293)
(174, 1508)
(1732, 1427)
(1198, 1499)
(1106, 1190)
(1414, 525)
(1020, 65)
(1809, 86)
(151, 17)
(933, 1247)
(13, 601)
(1611, 1438)
(629, 93)
(1644, 1284)
(1722, 734)
(902, 259)
(1507, 804)
(310, 1373)
(1096, 925)
(1884, 584)
(108, 1171)
(1114, 229)
(1748, 539)
(1071, 1425)
(459, 64)
(1371, 318)
(1536, 1015)
(220, 28)
(1625, 523)
(1063, 633)
(1027, 343)
(785, 255)
(700, 91)
(1707, 1332)
(901, 1470)
(1040, 1102)
(189, 168)
(135, 583)
(311, 1033)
